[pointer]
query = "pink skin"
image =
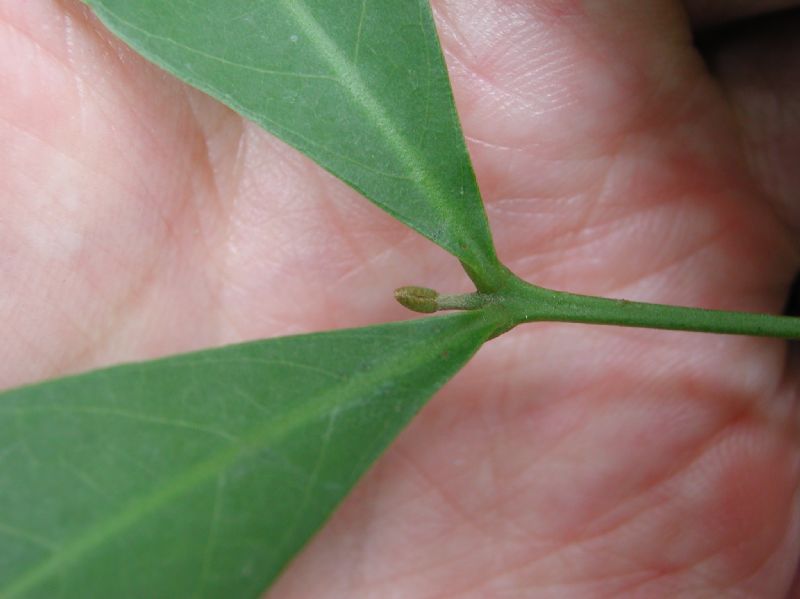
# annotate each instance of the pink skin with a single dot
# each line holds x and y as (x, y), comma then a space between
(141, 218)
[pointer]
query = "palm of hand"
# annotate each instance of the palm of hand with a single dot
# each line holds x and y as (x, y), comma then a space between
(141, 219)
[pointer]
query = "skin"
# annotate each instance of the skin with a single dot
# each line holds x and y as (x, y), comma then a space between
(139, 219)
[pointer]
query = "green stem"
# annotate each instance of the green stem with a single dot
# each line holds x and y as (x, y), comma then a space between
(515, 302)
(546, 305)
(467, 301)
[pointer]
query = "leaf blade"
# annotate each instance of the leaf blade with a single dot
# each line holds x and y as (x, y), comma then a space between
(197, 469)
(365, 94)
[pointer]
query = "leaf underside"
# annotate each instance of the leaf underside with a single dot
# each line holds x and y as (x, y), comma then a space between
(359, 86)
(203, 474)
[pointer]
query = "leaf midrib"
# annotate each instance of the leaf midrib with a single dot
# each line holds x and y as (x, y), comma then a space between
(351, 80)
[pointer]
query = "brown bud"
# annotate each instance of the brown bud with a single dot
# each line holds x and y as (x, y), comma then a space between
(418, 299)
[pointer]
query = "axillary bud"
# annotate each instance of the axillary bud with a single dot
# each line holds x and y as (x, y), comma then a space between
(418, 299)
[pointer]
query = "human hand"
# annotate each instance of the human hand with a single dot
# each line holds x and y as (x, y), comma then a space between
(141, 218)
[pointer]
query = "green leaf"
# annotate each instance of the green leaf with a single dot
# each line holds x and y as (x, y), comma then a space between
(202, 475)
(359, 86)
